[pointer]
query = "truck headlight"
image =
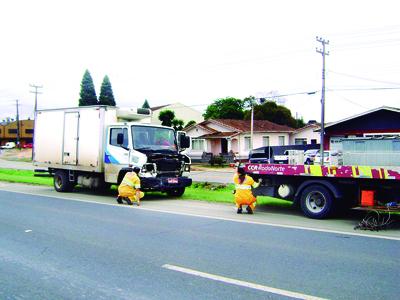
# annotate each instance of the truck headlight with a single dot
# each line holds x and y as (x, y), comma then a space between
(149, 168)
(186, 168)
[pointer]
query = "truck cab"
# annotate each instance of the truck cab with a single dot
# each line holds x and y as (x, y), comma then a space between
(155, 149)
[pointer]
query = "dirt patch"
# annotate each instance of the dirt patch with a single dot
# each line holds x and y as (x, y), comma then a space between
(16, 154)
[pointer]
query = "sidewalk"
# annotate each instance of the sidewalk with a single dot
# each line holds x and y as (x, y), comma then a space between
(19, 165)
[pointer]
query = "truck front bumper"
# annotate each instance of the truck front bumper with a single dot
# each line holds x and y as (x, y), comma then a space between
(164, 183)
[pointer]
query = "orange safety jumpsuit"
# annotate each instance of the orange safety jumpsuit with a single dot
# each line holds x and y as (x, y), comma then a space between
(243, 194)
(128, 187)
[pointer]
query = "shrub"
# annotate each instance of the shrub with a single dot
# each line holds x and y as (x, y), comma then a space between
(217, 160)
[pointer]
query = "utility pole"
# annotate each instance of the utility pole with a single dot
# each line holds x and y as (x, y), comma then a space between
(36, 87)
(18, 129)
(251, 125)
(324, 53)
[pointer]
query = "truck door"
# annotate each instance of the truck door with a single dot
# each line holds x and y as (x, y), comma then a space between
(70, 141)
(116, 155)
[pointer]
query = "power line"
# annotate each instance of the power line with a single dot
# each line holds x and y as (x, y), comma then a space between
(363, 78)
(365, 89)
(350, 101)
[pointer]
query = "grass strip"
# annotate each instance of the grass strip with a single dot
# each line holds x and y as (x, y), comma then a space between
(23, 176)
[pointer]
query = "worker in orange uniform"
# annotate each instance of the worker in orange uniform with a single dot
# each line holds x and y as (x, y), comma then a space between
(243, 193)
(129, 189)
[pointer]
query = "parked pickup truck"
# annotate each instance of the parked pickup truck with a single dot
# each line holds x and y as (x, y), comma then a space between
(282, 159)
(9, 145)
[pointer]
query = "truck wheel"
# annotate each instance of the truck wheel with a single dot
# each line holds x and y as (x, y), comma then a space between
(316, 202)
(61, 182)
(176, 192)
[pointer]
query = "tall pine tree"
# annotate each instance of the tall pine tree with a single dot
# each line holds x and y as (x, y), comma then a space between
(106, 94)
(146, 104)
(88, 93)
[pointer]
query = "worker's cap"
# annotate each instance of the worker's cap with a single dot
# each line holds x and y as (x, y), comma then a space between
(136, 170)
(241, 170)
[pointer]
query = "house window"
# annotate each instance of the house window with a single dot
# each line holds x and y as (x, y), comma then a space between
(198, 144)
(265, 141)
(313, 141)
(29, 131)
(281, 140)
(300, 141)
(12, 131)
(247, 143)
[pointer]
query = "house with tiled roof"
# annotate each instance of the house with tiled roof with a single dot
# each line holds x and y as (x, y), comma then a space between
(223, 136)
(182, 112)
(309, 134)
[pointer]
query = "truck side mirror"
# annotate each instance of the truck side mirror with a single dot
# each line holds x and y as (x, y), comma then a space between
(183, 140)
(120, 138)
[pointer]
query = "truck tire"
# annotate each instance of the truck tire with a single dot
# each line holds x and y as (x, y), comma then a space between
(176, 192)
(316, 202)
(61, 182)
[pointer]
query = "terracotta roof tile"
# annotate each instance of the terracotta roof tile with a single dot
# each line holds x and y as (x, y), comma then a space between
(259, 125)
(218, 135)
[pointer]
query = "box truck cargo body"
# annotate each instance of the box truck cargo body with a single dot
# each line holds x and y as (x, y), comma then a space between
(95, 146)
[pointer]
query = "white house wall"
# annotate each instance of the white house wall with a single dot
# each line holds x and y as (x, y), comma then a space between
(307, 134)
(196, 131)
(181, 111)
(258, 141)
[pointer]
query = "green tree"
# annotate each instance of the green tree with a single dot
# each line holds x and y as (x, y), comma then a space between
(177, 124)
(166, 117)
(106, 93)
(146, 104)
(226, 108)
(190, 123)
(88, 93)
(273, 112)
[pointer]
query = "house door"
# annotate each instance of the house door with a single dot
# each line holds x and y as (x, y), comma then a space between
(224, 146)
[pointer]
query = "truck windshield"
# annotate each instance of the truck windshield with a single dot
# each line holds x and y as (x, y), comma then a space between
(153, 138)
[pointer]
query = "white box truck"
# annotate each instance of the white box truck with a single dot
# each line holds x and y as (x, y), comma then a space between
(94, 146)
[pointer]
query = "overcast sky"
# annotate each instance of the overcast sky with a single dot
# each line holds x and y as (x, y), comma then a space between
(194, 52)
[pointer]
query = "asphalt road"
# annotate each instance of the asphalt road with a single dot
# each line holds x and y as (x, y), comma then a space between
(54, 248)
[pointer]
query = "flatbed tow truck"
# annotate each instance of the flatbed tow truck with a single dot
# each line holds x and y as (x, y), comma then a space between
(321, 190)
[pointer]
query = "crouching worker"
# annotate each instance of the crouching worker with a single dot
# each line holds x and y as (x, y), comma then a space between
(129, 189)
(243, 193)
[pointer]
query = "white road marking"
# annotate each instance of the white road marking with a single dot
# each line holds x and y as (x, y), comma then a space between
(242, 283)
(216, 218)
(28, 230)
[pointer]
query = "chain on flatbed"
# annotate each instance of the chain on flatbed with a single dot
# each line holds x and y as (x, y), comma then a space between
(375, 221)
